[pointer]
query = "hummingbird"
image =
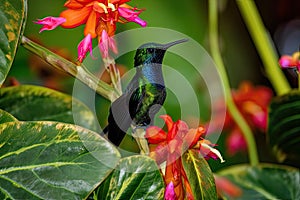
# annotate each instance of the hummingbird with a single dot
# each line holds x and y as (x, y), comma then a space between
(144, 95)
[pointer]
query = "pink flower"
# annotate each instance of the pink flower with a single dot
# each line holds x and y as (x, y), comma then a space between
(50, 23)
(131, 16)
(84, 46)
(235, 142)
(107, 43)
(170, 192)
(287, 61)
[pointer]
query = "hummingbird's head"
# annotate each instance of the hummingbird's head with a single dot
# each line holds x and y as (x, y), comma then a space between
(153, 52)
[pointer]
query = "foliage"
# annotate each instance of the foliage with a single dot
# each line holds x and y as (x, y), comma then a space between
(283, 133)
(12, 17)
(278, 182)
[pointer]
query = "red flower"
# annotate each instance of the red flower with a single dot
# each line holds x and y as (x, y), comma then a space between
(169, 146)
(100, 18)
(252, 102)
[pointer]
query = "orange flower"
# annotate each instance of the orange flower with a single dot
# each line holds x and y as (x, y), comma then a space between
(100, 18)
(169, 146)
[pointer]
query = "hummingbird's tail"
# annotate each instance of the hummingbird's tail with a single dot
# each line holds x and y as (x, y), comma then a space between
(104, 132)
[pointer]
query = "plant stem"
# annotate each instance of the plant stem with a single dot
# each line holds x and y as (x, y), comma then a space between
(264, 45)
(236, 115)
(78, 71)
(115, 77)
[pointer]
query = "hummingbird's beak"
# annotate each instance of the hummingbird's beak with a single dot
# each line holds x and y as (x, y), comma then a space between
(168, 45)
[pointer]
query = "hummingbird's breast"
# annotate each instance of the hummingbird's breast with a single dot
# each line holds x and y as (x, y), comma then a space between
(152, 73)
(147, 93)
(148, 100)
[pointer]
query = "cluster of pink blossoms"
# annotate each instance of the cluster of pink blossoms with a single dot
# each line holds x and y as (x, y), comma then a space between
(100, 18)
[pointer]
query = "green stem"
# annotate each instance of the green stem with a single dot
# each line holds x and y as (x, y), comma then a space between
(79, 72)
(264, 45)
(215, 52)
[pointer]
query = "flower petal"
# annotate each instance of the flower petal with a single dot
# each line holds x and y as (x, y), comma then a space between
(193, 136)
(108, 27)
(257, 113)
(73, 4)
(85, 1)
(99, 7)
(182, 128)
(287, 61)
(173, 174)
(208, 151)
(168, 120)
(103, 44)
(112, 45)
(50, 23)
(90, 27)
(155, 135)
(118, 1)
(170, 192)
(84, 46)
(75, 18)
(235, 142)
(178, 131)
(131, 16)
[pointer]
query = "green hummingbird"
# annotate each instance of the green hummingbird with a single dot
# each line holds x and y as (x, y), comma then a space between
(144, 95)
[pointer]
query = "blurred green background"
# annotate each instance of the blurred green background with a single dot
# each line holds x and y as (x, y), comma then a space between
(281, 18)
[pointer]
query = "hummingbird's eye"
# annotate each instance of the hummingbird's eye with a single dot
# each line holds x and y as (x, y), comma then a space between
(150, 50)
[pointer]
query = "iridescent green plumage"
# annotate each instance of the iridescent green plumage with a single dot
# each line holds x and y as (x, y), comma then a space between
(144, 95)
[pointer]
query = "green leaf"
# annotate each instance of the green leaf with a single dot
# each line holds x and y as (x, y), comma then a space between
(50, 160)
(6, 117)
(284, 127)
(266, 181)
(12, 20)
(34, 103)
(136, 177)
(199, 175)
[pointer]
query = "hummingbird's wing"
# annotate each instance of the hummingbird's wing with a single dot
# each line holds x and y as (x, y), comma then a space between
(119, 119)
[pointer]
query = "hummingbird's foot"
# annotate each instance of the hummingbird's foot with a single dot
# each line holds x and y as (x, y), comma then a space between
(138, 132)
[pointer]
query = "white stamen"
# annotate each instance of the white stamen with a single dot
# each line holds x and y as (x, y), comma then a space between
(215, 151)
(103, 7)
(112, 6)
